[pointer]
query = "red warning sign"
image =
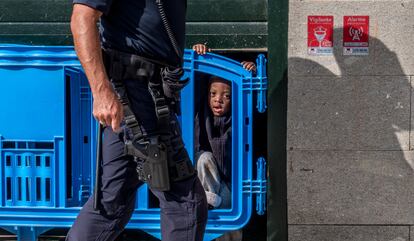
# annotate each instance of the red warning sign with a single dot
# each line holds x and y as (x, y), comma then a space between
(320, 35)
(356, 35)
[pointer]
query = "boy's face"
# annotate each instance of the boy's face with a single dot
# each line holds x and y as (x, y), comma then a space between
(219, 98)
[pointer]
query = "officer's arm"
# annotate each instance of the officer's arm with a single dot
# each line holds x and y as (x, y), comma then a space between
(107, 108)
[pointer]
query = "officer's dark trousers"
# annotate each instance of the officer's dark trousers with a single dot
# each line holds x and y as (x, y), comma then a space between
(183, 208)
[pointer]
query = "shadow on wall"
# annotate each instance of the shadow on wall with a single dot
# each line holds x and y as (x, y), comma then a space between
(349, 138)
(352, 103)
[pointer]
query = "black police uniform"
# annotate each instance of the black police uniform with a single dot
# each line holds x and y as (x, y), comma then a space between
(135, 27)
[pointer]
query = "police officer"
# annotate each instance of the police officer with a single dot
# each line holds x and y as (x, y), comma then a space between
(131, 32)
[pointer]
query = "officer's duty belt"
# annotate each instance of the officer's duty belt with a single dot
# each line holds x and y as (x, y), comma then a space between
(149, 148)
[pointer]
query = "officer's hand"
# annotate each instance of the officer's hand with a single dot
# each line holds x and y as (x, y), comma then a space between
(201, 49)
(250, 66)
(107, 109)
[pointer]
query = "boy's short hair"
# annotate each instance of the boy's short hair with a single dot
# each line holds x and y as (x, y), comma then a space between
(214, 79)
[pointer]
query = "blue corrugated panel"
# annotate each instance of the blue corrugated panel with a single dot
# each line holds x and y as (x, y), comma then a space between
(30, 173)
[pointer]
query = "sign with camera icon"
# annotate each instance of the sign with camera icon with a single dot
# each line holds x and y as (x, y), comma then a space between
(320, 35)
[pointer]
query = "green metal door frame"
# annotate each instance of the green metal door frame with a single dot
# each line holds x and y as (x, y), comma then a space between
(277, 120)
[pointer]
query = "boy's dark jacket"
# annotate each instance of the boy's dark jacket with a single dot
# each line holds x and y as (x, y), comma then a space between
(213, 134)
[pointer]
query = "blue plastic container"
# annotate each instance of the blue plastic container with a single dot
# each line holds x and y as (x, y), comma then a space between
(47, 141)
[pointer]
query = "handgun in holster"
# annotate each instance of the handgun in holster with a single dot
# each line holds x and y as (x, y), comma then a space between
(152, 163)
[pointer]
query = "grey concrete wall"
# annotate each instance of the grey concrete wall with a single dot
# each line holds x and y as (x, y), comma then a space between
(411, 230)
(350, 168)
(348, 233)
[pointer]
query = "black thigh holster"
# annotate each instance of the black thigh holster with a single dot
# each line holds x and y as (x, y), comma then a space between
(150, 150)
